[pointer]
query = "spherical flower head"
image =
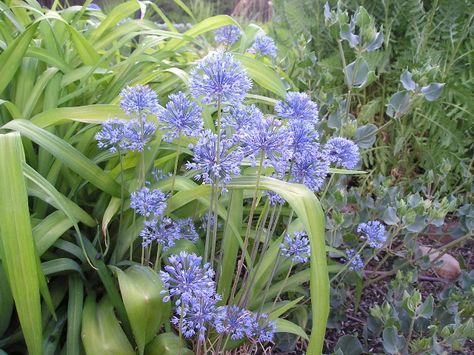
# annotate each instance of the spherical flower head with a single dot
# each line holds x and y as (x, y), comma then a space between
(148, 202)
(137, 134)
(181, 116)
(139, 101)
(234, 321)
(355, 261)
(227, 35)
(166, 232)
(264, 45)
(303, 137)
(297, 247)
(196, 315)
(373, 232)
(219, 77)
(241, 119)
(215, 167)
(261, 328)
(112, 134)
(274, 198)
(298, 107)
(186, 279)
(93, 6)
(342, 152)
(267, 137)
(310, 168)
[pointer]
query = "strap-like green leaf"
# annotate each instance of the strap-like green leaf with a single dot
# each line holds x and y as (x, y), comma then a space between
(69, 156)
(309, 211)
(10, 59)
(17, 245)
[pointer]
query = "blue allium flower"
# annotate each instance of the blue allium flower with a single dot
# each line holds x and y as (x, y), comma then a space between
(196, 315)
(166, 232)
(186, 279)
(262, 329)
(139, 100)
(274, 198)
(342, 152)
(181, 116)
(234, 321)
(227, 35)
(303, 138)
(373, 232)
(112, 135)
(356, 264)
(297, 248)
(264, 45)
(298, 108)
(159, 175)
(93, 6)
(219, 76)
(215, 167)
(137, 134)
(242, 118)
(310, 168)
(267, 137)
(148, 202)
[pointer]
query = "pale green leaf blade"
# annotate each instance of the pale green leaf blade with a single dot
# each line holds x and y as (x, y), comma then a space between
(70, 156)
(17, 244)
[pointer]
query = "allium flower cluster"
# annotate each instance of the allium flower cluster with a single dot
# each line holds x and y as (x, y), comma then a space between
(267, 137)
(241, 119)
(304, 138)
(264, 45)
(240, 323)
(186, 280)
(139, 101)
(215, 167)
(310, 168)
(196, 316)
(227, 35)
(298, 108)
(342, 152)
(181, 116)
(373, 232)
(297, 247)
(166, 232)
(219, 78)
(355, 260)
(148, 202)
(125, 135)
(262, 329)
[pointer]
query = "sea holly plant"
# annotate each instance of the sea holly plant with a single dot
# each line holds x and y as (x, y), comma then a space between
(401, 101)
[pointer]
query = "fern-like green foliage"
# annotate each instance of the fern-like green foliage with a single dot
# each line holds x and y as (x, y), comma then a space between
(433, 38)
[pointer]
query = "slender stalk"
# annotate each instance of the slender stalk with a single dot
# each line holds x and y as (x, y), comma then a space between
(157, 260)
(175, 168)
(214, 195)
(208, 226)
(283, 285)
(247, 232)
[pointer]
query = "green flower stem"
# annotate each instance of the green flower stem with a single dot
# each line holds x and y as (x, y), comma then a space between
(175, 168)
(214, 226)
(248, 283)
(283, 285)
(212, 214)
(247, 232)
(157, 264)
(208, 226)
